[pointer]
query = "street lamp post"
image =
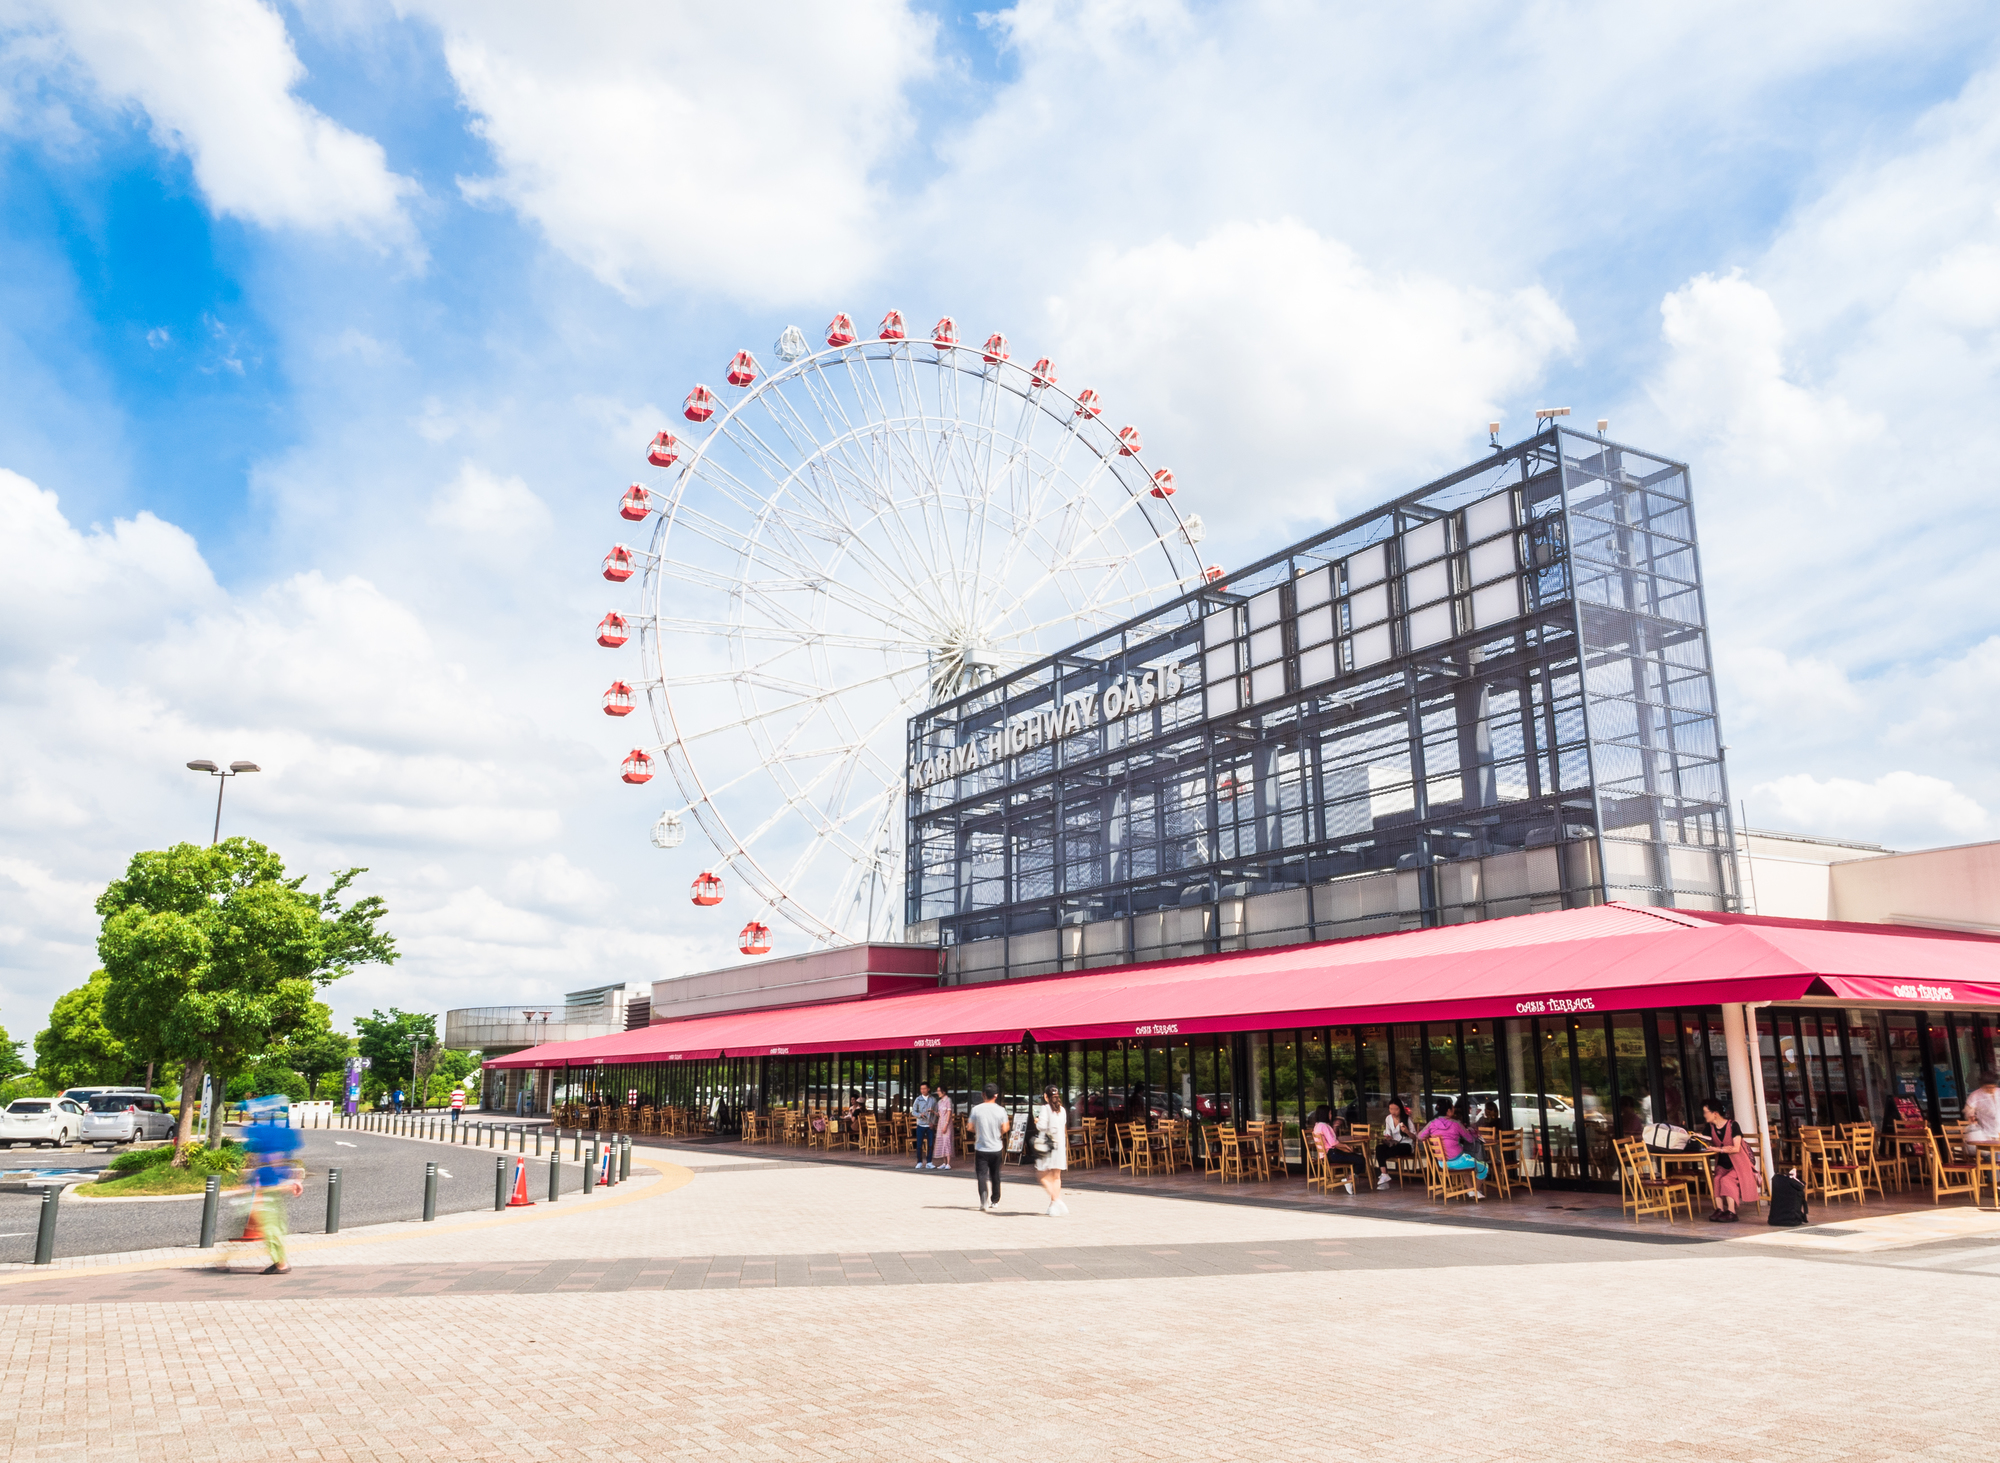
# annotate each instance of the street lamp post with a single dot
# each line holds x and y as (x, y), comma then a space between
(202, 764)
(415, 1043)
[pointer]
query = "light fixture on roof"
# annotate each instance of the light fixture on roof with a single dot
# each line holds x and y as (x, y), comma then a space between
(1493, 434)
(1603, 425)
(1545, 413)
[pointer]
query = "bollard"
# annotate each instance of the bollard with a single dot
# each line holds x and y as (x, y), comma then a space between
(333, 1201)
(578, 1154)
(625, 1162)
(45, 1230)
(499, 1183)
(590, 1169)
(555, 1177)
(210, 1191)
(538, 1142)
(430, 1192)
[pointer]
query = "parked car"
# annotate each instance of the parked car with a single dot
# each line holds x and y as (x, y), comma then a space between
(125, 1117)
(52, 1120)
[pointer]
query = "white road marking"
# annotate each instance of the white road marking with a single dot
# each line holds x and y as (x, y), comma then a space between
(338, 1144)
(444, 1173)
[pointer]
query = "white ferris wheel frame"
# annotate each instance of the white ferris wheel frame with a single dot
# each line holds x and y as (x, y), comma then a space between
(788, 470)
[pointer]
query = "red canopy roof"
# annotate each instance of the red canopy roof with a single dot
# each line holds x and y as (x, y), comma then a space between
(1614, 957)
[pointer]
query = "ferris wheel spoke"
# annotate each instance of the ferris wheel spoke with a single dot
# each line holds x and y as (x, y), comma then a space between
(789, 637)
(756, 717)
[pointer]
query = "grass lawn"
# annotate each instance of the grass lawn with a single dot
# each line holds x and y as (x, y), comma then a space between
(158, 1179)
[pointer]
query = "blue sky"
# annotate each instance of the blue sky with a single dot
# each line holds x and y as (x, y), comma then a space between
(325, 332)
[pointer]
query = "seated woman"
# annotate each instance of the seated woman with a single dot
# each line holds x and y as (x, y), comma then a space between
(1339, 1153)
(1736, 1175)
(1460, 1144)
(1399, 1138)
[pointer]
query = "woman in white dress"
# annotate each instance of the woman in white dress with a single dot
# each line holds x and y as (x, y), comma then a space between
(1051, 1142)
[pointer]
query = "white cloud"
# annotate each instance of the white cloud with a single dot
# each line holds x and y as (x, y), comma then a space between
(1901, 809)
(216, 81)
(385, 740)
(1274, 370)
(730, 149)
(495, 513)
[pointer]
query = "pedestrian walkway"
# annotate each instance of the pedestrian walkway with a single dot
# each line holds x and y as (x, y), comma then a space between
(743, 1304)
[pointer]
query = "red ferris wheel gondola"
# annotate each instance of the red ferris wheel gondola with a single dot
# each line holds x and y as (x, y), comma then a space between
(755, 939)
(742, 369)
(1044, 373)
(1163, 483)
(893, 327)
(636, 504)
(618, 564)
(707, 888)
(700, 404)
(840, 330)
(638, 767)
(995, 349)
(612, 631)
(619, 700)
(944, 334)
(1129, 444)
(1088, 403)
(665, 451)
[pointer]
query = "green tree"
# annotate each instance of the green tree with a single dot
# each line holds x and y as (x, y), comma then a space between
(316, 1049)
(214, 955)
(449, 1070)
(386, 1042)
(12, 1063)
(78, 1047)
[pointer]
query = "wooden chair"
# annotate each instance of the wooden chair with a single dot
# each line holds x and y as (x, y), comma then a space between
(1229, 1162)
(1644, 1192)
(1951, 1179)
(1867, 1162)
(1319, 1173)
(1985, 1174)
(1139, 1143)
(871, 1135)
(1440, 1182)
(1503, 1157)
(1211, 1151)
(1838, 1176)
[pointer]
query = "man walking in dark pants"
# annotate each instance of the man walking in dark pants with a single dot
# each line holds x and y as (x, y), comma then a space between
(989, 1131)
(924, 1111)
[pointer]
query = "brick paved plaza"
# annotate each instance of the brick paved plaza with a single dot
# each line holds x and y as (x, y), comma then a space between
(739, 1305)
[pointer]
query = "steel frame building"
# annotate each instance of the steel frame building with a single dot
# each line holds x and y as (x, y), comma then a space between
(1491, 695)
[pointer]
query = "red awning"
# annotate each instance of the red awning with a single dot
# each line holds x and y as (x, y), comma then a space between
(1609, 958)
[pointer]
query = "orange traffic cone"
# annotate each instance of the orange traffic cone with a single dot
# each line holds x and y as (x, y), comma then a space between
(253, 1232)
(520, 1199)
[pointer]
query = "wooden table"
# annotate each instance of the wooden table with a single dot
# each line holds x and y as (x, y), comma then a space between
(1700, 1158)
(1985, 1167)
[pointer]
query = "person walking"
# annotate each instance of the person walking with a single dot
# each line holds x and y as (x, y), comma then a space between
(924, 1112)
(457, 1102)
(990, 1123)
(943, 1146)
(274, 1177)
(1051, 1145)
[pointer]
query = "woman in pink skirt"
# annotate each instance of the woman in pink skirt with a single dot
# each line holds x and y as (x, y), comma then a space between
(1736, 1176)
(941, 1149)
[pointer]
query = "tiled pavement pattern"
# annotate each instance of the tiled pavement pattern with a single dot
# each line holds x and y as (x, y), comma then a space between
(894, 1267)
(1598, 1348)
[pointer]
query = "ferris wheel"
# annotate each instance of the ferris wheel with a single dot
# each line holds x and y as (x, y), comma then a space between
(867, 529)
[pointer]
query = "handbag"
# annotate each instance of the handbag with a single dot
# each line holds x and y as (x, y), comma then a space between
(1665, 1138)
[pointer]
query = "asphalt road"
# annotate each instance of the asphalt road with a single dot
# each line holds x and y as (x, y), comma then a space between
(381, 1179)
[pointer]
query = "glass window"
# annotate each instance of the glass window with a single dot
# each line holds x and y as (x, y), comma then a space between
(1635, 1090)
(1369, 647)
(1489, 516)
(1667, 1028)
(1371, 1071)
(1407, 1075)
(1490, 561)
(1425, 541)
(1441, 1041)
(1558, 1099)
(1266, 608)
(1369, 607)
(1313, 1073)
(1594, 1098)
(1422, 586)
(1428, 627)
(1527, 1114)
(1267, 645)
(1314, 587)
(1906, 1064)
(1482, 1071)
(1944, 1076)
(1321, 663)
(1316, 625)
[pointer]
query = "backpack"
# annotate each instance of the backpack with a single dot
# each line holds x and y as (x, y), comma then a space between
(1788, 1199)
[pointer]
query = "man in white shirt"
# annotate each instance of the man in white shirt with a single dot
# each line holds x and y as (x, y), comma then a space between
(989, 1133)
(924, 1112)
(1982, 1111)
